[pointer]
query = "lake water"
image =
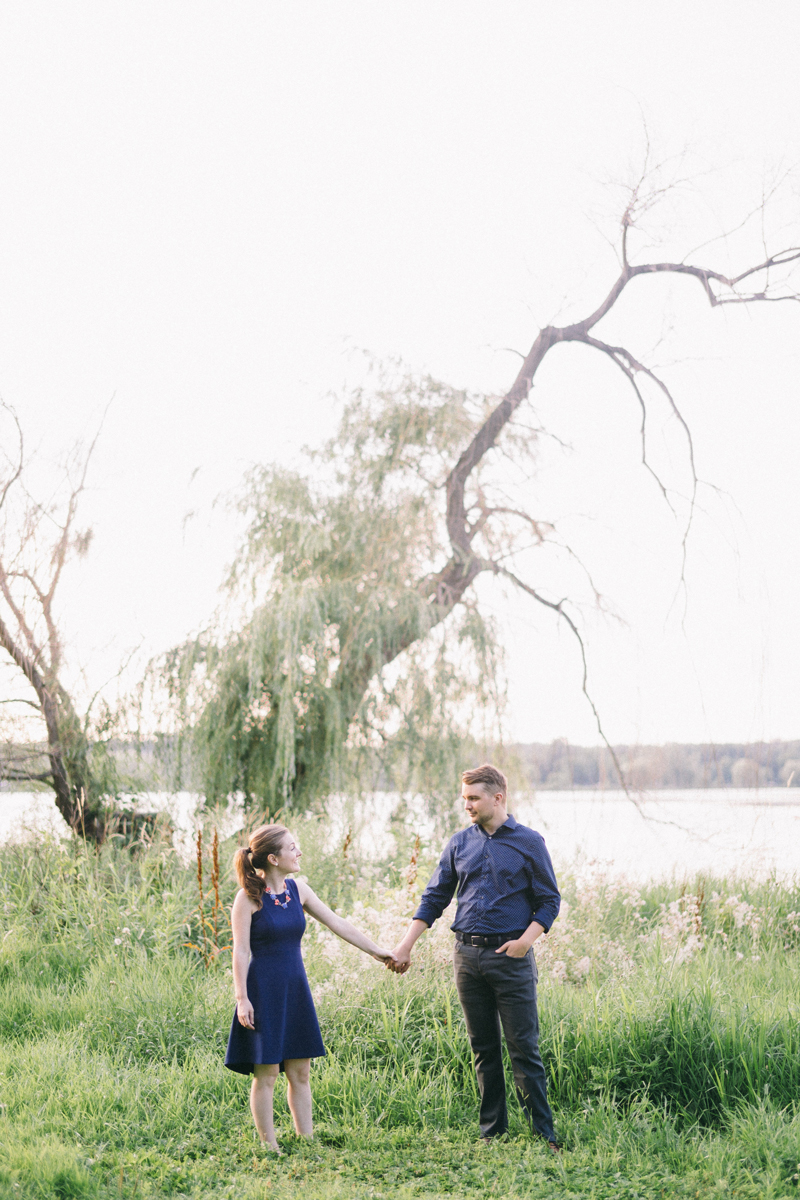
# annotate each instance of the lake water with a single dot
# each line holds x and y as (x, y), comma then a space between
(671, 834)
(736, 831)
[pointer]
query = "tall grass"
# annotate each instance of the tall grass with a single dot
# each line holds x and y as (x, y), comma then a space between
(669, 1027)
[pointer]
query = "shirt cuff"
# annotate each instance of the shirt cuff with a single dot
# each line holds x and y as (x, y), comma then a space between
(425, 914)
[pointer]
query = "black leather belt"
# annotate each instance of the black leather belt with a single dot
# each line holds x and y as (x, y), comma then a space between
(480, 939)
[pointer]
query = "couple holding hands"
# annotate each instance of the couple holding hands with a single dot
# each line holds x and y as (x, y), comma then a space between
(507, 898)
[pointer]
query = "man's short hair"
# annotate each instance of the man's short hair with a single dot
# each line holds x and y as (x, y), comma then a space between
(491, 777)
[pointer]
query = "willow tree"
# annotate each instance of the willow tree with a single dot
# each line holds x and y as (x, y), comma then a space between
(331, 569)
(360, 568)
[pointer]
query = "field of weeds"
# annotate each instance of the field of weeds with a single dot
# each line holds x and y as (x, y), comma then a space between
(669, 1024)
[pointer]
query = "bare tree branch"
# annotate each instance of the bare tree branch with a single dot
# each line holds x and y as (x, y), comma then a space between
(449, 584)
(12, 479)
(705, 277)
(13, 776)
(558, 607)
(19, 616)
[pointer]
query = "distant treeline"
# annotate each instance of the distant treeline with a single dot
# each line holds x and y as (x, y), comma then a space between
(753, 764)
(165, 764)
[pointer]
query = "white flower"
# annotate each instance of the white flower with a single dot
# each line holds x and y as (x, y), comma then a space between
(117, 941)
(689, 948)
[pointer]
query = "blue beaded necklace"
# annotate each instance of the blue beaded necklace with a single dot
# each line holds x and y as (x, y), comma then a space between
(280, 904)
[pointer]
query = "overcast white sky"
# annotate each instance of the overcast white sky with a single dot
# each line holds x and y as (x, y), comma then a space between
(205, 207)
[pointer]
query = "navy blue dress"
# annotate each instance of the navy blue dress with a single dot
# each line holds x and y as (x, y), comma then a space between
(285, 1019)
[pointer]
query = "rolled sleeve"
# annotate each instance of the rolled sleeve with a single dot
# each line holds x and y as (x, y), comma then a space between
(439, 892)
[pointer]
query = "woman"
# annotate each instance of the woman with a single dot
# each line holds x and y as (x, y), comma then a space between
(275, 1025)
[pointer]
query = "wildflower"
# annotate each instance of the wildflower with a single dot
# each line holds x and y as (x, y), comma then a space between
(117, 941)
(559, 972)
(689, 948)
(744, 914)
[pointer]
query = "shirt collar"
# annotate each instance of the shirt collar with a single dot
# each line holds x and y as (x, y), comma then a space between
(509, 823)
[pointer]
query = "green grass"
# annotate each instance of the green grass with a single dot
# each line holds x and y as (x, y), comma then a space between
(669, 1025)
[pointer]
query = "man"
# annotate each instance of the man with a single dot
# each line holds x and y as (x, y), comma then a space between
(507, 898)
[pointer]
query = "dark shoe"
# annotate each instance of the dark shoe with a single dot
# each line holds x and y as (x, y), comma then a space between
(554, 1147)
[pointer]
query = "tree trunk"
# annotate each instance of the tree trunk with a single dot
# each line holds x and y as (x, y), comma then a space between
(67, 750)
(67, 747)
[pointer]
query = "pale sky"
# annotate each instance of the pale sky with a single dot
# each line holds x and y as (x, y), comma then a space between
(206, 207)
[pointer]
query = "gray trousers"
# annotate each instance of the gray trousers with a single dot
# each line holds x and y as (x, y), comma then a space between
(495, 989)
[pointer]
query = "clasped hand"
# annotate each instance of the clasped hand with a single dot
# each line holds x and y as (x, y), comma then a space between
(400, 959)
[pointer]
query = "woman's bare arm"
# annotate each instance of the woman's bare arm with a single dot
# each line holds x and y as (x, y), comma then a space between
(241, 914)
(343, 929)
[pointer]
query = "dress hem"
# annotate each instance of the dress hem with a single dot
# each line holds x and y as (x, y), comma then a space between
(246, 1068)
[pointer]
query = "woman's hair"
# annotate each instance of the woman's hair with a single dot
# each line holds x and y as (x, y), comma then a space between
(265, 840)
(491, 777)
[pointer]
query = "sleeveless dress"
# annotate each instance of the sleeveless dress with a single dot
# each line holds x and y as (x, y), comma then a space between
(285, 1019)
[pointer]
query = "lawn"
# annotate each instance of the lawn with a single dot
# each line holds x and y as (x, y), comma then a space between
(669, 1025)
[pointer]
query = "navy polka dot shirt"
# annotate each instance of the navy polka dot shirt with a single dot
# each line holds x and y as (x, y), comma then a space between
(504, 881)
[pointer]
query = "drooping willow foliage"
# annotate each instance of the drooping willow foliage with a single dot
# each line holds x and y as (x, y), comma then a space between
(346, 671)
